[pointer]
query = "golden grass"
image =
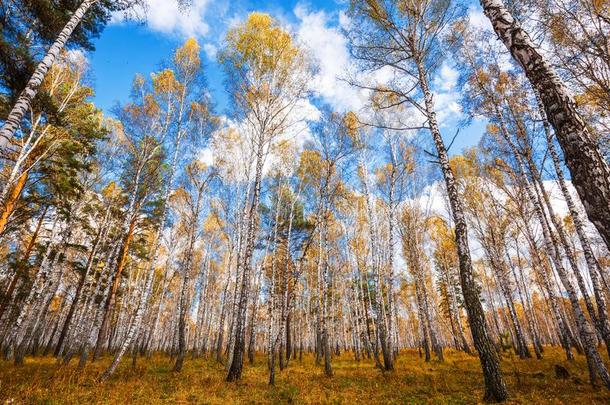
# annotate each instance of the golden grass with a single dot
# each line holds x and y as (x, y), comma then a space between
(457, 381)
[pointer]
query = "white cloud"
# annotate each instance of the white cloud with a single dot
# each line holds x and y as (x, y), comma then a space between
(478, 19)
(329, 49)
(447, 78)
(448, 107)
(447, 95)
(210, 51)
(78, 57)
(323, 37)
(167, 17)
(206, 155)
(344, 20)
(432, 200)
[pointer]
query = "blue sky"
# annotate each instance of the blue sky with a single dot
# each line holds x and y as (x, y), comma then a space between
(127, 48)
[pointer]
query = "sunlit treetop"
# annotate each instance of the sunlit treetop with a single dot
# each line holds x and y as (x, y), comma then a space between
(187, 58)
(165, 82)
(260, 46)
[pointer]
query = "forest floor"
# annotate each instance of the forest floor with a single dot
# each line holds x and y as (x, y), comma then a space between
(456, 381)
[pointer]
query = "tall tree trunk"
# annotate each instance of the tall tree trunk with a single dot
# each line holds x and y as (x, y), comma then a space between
(273, 337)
(24, 101)
(589, 170)
(134, 327)
(500, 271)
(252, 332)
(495, 388)
(380, 324)
(184, 307)
(237, 362)
(92, 313)
(529, 315)
(81, 283)
(184, 302)
(221, 327)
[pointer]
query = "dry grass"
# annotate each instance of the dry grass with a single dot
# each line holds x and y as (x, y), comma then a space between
(457, 381)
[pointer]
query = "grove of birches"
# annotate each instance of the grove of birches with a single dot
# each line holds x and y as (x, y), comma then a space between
(270, 234)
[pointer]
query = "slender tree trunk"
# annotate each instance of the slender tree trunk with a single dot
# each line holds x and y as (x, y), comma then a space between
(500, 270)
(184, 307)
(252, 334)
(134, 327)
(237, 362)
(529, 315)
(81, 283)
(380, 324)
(116, 280)
(184, 302)
(436, 344)
(495, 388)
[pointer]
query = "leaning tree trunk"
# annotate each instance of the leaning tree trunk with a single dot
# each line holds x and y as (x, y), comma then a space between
(91, 316)
(562, 328)
(22, 105)
(599, 318)
(37, 287)
(116, 280)
(499, 268)
(589, 171)
(495, 388)
(8, 205)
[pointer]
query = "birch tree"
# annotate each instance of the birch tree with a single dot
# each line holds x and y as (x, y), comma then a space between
(414, 32)
(269, 81)
(589, 170)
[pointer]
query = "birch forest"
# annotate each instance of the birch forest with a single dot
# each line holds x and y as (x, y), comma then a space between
(269, 246)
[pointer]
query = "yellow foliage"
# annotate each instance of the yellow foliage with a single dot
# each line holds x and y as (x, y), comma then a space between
(310, 165)
(559, 33)
(111, 191)
(261, 46)
(212, 223)
(462, 166)
(377, 12)
(493, 129)
(199, 110)
(187, 58)
(165, 82)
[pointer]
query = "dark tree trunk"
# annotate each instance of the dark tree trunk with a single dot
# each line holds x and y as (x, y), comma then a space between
(589, 170)
(495, 388)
